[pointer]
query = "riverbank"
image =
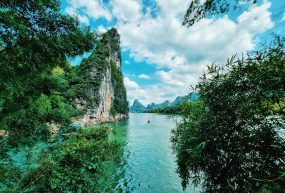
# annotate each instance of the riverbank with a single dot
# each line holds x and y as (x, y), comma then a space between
(87, 120)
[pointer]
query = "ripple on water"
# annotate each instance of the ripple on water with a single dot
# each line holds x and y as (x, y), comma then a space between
(149, 165)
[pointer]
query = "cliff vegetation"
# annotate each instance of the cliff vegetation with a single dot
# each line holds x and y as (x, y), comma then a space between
(40, 92)
(85, 79)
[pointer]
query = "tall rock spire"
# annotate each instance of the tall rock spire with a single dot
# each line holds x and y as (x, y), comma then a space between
(112, 41)
(103, 95)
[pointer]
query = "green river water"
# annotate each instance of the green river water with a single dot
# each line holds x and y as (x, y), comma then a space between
(149, 165)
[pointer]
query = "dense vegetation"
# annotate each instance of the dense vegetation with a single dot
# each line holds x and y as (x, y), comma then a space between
(232, 138)
(85, 162)
(165, 107)
(84, 80)
(120, 104)
(174, 109)
(35, 38)
(37, 89)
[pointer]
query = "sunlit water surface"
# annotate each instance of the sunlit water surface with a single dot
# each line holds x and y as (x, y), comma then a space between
(149, 165)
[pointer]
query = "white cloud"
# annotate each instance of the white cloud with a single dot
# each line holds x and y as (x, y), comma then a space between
(129, 84)
(157, 93)
(135, 92)
(180, 54)
(93, 8)
(251, 20)
(82, 18)
(126, 10)
(139, 94)
(166, 78)
(101, 29)
(161, 39)
(144, 76)
(185, 52)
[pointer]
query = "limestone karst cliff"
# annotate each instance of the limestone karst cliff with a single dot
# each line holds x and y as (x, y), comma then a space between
(101, 94)
(137, 107)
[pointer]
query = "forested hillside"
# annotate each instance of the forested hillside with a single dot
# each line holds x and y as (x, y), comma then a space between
(41, 96)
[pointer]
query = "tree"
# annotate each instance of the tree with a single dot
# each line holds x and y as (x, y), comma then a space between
(197, 10)
(232, 139)
(35, 38)
(86, 161)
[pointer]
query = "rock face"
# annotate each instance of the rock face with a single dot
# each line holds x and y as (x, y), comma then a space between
(103, 95)
(137, 107)
(189, 97)
(106, 95)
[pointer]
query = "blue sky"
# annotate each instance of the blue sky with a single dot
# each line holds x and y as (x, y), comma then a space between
(162, 58)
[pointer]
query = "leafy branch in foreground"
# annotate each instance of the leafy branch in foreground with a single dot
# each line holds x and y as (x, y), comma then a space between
(85, 162)
(232, 138)
(35, 39)
(198, 10)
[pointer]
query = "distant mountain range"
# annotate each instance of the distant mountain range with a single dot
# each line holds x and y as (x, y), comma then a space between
(137, 107)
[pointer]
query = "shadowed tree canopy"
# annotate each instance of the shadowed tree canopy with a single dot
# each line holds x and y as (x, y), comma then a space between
(199, 9)
(232, 138)
(34, 39)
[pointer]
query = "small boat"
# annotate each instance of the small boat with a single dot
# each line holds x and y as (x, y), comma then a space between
(148, 121)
